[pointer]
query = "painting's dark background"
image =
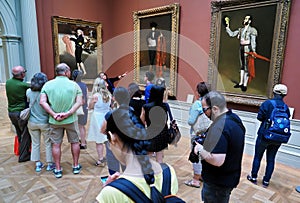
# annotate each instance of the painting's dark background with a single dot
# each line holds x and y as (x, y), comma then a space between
(263, 19)
(164, 25)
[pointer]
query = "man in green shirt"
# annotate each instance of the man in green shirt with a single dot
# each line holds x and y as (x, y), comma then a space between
(16, 96)
(61, 98)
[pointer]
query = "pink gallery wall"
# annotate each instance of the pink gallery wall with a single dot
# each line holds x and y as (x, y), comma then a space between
(116, 17)
(193, 40)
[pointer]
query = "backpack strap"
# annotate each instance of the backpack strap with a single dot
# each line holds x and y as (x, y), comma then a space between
(166, 186)
(169, 111)
(134, 193)
(276, 105)
(129, 189)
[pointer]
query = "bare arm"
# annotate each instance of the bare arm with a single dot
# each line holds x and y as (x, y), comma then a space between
(77, 104)
(46, 106)
(142, 117)
(211, 158)
(103, 127)
(59, 115)
(93, 101)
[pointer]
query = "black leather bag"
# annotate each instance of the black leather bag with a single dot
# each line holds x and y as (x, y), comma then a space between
(174, 133)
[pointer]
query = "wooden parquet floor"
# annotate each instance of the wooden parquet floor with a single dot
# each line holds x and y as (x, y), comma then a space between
(20, 183)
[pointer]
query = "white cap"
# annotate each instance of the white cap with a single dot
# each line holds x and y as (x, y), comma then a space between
(280, 89)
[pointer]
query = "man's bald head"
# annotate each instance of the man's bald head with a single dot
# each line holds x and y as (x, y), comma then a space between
(18, 72)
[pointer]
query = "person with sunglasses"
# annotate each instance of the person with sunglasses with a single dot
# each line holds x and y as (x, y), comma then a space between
(16, 96)
(222, 150)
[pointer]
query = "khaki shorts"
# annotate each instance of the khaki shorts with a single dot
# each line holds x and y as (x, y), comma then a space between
(57, 133)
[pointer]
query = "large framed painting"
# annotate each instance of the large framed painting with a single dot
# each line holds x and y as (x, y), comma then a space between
(156, 44)
(78, 43)
(247, 44)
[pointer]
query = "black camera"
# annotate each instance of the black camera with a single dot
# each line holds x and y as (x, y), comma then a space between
(194, 158)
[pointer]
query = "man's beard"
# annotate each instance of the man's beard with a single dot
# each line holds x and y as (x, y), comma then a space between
(212, 116)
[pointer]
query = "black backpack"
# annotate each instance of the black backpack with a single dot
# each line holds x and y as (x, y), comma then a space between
(278, 125)
(134, 193)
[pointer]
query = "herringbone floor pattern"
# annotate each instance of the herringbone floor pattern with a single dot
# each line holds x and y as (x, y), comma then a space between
(20, 183)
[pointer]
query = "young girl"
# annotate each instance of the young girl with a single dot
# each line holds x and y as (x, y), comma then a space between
(128, 142)
(100, 102)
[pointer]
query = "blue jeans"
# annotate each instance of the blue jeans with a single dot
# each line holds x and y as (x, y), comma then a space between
(260, 147)
(213, 193)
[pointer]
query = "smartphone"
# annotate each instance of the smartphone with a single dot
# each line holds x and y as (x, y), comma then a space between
(103, 179)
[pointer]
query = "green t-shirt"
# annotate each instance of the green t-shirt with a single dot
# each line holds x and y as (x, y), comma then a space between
(16, 94)
(61, 94)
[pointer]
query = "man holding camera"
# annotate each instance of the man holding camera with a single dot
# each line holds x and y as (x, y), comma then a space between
(222, 150)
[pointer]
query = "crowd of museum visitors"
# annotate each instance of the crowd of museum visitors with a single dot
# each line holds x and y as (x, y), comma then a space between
(128, 127)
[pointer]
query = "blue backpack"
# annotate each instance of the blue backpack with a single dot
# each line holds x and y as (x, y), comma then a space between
(134, 193)
(279, 124)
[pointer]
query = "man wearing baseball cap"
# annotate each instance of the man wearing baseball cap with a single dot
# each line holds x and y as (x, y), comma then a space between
(262, 145)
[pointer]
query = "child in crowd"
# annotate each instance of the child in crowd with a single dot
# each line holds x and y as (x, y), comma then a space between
(100, 103)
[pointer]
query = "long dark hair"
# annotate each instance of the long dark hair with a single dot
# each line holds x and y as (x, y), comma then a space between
(134, 137)
(156, 94)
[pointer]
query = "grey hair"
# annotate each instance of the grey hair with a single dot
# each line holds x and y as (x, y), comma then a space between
(61, 68)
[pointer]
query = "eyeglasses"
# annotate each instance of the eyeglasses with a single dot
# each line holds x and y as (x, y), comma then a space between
(24, 71)
(205, 109)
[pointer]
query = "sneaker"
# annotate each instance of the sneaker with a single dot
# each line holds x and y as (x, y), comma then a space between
(50, 167)
(265, 184)
(253, 180)
(77, 169)
(57, 173)
(38, 166)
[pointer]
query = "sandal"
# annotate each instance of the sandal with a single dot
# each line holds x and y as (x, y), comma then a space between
(100, 162)
(191, 183)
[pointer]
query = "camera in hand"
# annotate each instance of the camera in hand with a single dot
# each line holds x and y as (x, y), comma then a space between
(194, 158)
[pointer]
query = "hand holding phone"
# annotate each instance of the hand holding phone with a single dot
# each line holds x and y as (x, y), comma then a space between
(103, 179)
(108, 179)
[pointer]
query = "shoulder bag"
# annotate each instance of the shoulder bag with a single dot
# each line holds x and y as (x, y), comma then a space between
(202, 124)
(25, 114)
(173, 131)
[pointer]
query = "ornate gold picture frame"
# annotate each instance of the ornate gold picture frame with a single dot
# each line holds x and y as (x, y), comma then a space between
(65, 48)
(165, 19)
(269, 18)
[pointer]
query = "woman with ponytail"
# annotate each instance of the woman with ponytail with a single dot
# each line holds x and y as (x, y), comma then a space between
(129, 143)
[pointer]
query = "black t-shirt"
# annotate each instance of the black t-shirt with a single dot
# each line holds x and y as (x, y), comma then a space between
(225, 136)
